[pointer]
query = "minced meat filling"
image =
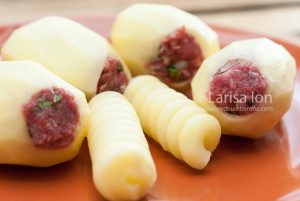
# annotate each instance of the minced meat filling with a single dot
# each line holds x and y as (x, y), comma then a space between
(179, 57)
(113, 77)
(52, 117)
(237, 87)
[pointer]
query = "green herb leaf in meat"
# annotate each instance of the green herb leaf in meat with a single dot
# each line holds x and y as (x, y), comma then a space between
(44, 104)
(57, 97)
(173, 72)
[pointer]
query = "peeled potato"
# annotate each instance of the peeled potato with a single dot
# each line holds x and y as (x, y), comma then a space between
(139, 30)
(21, 82)
(175, 122)
(123, 168)
(274, 74)
(68, 49)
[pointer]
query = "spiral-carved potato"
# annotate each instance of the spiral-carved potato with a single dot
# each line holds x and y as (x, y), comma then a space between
(174, 121)
(123, 168)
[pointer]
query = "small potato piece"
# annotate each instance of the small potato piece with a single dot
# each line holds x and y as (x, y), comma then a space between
(43, 118)
(247, 86)
(73, 52)
(123, 168)
(174, 121)
(163, 41)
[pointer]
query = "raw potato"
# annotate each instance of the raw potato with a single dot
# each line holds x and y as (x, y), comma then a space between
(123, 168)
(19, 80)
(139, 30)
(68, 49)
(175, 122)
(276, 65)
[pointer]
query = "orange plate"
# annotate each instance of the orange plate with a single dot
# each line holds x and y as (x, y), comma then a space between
(240, 169)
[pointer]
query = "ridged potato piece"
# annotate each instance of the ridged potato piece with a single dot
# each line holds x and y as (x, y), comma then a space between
(123, 168)
(174, 121)
(67, 48)
(276, 65)
(146, 107)
(164, 117)
(138, 31)
(19, 81)
(198, 138)
(155, 109)
(140, 98)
